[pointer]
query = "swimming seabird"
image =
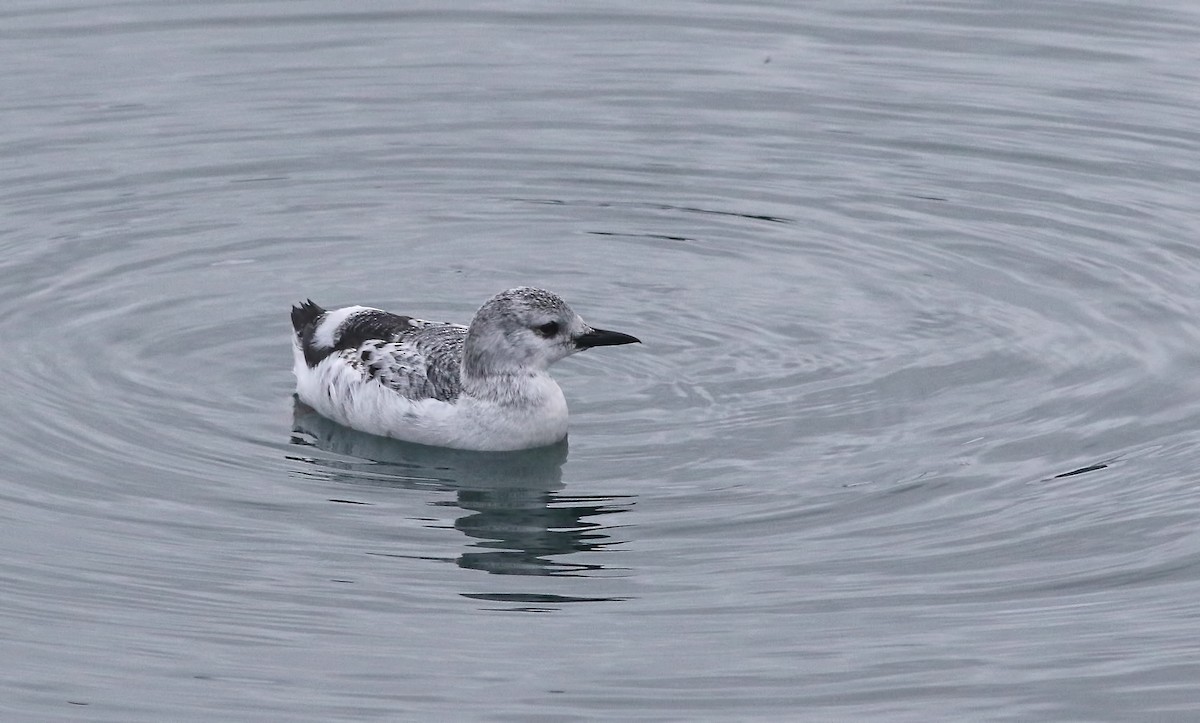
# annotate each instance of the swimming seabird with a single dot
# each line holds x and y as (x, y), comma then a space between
(478, 387)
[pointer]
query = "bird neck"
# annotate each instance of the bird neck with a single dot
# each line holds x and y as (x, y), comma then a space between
(481, 358)
(524, 387)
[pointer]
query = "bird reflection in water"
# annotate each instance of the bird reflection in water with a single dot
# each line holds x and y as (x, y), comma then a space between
(516, 512)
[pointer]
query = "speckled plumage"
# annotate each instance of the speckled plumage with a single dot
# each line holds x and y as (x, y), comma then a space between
(483, 386)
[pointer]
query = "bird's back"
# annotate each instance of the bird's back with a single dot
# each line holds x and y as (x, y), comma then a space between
(413, 358)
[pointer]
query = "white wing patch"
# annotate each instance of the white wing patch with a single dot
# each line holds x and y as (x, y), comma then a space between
(325, 335)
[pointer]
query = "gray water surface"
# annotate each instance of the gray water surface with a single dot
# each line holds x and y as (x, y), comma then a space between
(899, 269)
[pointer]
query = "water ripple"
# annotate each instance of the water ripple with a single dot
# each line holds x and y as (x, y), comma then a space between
(912, 430)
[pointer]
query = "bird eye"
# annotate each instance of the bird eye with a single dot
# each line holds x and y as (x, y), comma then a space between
(549, 329)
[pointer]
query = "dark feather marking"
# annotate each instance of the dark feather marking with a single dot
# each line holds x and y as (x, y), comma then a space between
(367, 325)
(306, 317)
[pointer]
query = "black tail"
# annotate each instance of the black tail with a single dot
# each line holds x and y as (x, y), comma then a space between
(305, 317)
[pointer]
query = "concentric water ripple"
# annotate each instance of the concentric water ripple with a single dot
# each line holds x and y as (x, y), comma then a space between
(911, 435)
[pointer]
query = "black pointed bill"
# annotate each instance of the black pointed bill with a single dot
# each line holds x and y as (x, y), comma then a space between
(603, 337)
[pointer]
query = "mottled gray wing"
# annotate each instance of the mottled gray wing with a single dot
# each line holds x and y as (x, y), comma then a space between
(420, 361)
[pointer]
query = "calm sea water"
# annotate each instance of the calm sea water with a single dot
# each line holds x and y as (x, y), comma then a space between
(901, 269)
